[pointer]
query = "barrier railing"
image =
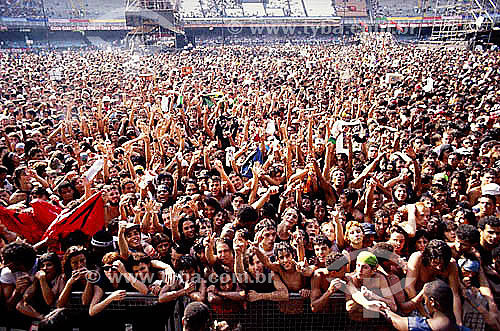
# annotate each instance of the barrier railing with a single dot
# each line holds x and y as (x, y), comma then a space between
(294, 314)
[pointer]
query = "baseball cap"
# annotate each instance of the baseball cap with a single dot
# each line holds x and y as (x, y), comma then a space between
(491, 189)
(368, 228)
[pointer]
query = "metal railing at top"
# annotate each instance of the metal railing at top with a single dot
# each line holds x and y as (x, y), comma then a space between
(294, 314)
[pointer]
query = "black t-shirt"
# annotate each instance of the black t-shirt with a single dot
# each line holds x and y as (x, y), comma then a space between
(263, 284)
(106, 285)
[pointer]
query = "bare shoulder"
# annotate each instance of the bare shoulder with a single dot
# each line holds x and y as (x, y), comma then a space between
(319, 273)
(415, 258)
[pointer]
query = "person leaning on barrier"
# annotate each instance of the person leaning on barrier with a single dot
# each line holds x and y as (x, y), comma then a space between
(226, 298)
(365, 286)
(438, 299)
(188, 268)
(434, 262)
(328, 280)
(115, 279)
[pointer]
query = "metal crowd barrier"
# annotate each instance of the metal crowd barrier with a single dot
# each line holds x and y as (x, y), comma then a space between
(294, 314)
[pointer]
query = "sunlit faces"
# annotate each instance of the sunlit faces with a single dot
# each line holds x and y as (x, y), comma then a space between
(224, 253)
(400, 193)
(328, 229)
(285, 259)
(214, 186)
(398, 242)
(338, 178)
(421, 243)
(490, 235)
(189, 229)
(236, 181)
(268, 236)
(141, 269)
(49, 268)
(486, 206)
(255, 266)
(133, 238)
(237, 202)
(114, 197)
(312, 228)
(355, 235)
(321, 252)
(364, 270)
(78, 262)
(291, 216)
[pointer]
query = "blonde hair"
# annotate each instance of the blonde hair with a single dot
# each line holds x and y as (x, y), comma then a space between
(349, 226)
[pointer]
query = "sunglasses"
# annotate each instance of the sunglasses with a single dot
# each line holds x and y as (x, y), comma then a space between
(109, 267)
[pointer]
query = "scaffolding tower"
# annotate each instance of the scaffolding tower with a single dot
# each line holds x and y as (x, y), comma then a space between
(153, 22)
(457, 21)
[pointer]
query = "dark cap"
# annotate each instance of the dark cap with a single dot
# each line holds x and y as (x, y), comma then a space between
(368, 228)
(131, 226)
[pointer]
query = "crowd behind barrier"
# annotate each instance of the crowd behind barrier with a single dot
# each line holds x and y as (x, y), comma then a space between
(240, 175)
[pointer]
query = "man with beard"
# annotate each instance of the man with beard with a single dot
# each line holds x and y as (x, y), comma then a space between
(327, 280)
(112, 207)
(434, 262)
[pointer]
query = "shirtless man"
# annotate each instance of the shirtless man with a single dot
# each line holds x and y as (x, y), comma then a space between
(112, 207)
(366, 285)
(434, 262)
(327, 280)
(322, 248)
(293, 274)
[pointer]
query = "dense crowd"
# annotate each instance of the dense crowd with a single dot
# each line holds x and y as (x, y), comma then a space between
(21, 8)
(237, 174)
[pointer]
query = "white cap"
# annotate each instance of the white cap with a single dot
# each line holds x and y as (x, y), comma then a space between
(491, 189)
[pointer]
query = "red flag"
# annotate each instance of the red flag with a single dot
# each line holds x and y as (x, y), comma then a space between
(21, 223)
(87, 217)
(44, 212)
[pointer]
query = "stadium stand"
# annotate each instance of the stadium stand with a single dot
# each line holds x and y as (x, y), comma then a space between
(233, 9)
(190, 8)
(296, 8)
(278, 8)
(351, 8)
(383, 8)
(21, 8)
(319, 8)
(85, 9)
(254, 9)
(210, 8)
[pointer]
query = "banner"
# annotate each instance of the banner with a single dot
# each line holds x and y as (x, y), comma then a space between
(21, 223)
(87, 217)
